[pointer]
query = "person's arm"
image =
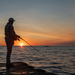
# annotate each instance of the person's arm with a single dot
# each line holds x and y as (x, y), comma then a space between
(13, 34)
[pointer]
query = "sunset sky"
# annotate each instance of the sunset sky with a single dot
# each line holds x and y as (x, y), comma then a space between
(40, 22)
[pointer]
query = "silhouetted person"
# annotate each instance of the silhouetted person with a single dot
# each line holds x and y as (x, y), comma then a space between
(10, 36)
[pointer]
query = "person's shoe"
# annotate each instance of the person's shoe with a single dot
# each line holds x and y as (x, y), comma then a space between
(9, 65)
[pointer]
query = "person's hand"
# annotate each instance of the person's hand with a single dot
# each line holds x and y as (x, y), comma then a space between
(18, 36)
(18, 39)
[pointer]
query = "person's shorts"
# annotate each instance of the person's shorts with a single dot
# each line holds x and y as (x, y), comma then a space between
(9, 41)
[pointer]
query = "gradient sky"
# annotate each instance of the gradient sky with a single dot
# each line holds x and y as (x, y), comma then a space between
(40, 22)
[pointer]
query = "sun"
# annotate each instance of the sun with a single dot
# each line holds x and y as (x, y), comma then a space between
(21, 45)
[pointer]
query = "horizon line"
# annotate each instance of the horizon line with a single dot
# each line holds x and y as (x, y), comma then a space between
(38, 45)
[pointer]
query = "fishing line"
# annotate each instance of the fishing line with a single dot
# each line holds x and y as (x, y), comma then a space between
(35, 49)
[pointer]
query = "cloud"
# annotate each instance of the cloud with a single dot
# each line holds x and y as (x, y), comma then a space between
(69, 43)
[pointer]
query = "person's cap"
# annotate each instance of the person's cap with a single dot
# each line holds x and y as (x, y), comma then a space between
(11, 19)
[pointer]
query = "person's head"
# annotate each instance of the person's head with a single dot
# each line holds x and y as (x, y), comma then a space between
(11, 20)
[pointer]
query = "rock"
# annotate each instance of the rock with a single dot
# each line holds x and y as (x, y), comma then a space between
(21, 68)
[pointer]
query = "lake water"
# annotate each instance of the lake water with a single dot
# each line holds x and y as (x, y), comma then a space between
(57, 59)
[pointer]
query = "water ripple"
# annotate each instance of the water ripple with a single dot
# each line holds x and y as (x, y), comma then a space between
(57, 59)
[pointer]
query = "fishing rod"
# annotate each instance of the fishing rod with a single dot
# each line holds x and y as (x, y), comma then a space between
(34, 48)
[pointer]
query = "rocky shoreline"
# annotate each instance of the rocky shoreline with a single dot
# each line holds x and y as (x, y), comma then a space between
(21, 68)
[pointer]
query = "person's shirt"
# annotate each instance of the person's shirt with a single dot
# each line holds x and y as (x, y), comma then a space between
(9, 31)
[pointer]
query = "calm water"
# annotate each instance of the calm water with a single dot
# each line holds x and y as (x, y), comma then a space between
(56, 59)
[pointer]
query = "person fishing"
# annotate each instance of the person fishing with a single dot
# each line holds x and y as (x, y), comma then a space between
(10, 37)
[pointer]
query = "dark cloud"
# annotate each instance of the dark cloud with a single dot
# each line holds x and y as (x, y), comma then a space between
(70, 43)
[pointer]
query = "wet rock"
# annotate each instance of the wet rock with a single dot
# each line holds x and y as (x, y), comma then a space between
(21, 68)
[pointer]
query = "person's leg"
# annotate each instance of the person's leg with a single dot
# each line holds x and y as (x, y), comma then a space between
(9, 50)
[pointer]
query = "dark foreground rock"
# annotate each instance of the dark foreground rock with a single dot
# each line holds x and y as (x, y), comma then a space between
(21, 68)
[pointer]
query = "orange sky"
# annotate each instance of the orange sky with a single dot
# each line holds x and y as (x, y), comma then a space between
(40, 22)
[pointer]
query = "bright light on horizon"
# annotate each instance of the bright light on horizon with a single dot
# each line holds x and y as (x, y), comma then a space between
(21, 45)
